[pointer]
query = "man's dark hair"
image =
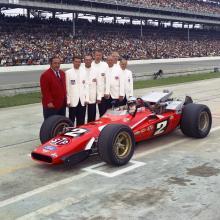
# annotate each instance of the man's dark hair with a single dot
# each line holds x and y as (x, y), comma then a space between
(76, 57)
(52, 58)
(98, 50)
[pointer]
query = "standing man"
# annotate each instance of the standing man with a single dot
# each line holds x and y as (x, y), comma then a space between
(115, 87)
(77, 92)
(91, 75)
(128, 80)
(100, 68)
(116, 57)
(53, 90)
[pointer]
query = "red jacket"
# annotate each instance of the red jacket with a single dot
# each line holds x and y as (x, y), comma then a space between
(53, 89)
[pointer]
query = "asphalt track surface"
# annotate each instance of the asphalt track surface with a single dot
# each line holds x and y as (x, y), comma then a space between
(142, 69)
(169, 178)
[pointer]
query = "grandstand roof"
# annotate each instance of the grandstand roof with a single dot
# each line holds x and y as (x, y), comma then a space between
(115, 8)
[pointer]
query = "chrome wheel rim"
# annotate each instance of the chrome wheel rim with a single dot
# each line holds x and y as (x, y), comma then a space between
(203, 121)
(60, 128)
(122, 145)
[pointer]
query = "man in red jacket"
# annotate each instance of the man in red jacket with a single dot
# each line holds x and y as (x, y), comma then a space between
(53, 89)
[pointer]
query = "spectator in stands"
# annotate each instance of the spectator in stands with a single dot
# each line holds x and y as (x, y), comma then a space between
(53, 90)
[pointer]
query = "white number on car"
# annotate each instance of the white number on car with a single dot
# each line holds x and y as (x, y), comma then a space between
(76, 132)
(161, 127)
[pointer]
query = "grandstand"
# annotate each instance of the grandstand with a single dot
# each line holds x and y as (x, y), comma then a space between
(31, 39)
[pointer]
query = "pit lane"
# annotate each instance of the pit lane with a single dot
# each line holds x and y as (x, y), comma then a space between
(178, 177)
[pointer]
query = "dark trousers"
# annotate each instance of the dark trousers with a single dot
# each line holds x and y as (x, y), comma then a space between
(103, 106)
(91, 112)
(78, 113)
(124, 101)
(47, 112)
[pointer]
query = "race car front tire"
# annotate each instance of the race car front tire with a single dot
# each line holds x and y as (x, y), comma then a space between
(52, 126)
(196, 120)
(116, 144)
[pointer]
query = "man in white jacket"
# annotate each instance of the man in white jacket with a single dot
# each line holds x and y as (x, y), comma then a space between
(92, 87)
(128, 80)
(77, 92)
(115, 87)
(100, 68)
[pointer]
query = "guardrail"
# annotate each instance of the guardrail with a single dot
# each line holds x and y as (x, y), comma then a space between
(25, 68)
(13, 89)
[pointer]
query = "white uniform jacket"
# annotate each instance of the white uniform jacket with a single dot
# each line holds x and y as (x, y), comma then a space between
(76, 87)
(116, 82)
(102, 78)
(92, 84)
(128, 82)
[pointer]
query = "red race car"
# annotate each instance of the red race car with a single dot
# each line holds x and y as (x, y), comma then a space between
(114, 135)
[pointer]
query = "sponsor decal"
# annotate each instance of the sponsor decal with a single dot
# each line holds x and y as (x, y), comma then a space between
(49, 148)
(73, 82)
(137, 133)
(126, 119)
(171, 117)
(143, 130)
(60, 141)
(150, 128)
(54, 155)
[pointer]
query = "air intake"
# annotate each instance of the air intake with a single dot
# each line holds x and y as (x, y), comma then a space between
(41, 157)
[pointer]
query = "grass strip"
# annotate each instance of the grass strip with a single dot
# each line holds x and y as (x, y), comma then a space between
(35, 97)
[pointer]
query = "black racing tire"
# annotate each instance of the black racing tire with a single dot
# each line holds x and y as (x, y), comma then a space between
(196, 120)
(116, 144)
(52, 126)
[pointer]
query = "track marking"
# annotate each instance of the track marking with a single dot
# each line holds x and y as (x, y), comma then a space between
(216, 116)
(50, 209)
(42, 189)
(92, 169)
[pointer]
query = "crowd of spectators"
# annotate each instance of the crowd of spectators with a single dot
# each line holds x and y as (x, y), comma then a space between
(195, 6)
(198, 6)
(26, 41)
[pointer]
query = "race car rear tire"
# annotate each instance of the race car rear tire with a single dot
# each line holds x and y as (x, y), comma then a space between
(52, 126)
(196, 120)
(116, 144)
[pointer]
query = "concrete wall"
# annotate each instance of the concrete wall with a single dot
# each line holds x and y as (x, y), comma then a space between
(131, 62)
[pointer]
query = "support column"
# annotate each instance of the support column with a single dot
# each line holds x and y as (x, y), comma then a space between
(54, 14)
(171, 24)
(74, 25)
(141, 29)
(28, 13)
(183, 24)
(114, 20)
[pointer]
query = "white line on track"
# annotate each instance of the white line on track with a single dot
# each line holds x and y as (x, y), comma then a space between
(135, 164)
(42, 189)
(82, 175)
(50, 209)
